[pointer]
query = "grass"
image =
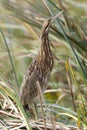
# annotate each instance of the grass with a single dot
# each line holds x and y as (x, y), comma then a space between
(65, 99)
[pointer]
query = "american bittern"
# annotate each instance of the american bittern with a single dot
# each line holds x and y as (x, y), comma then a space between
(40, 68)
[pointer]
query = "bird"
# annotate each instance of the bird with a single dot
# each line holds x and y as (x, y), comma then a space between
(39, 69)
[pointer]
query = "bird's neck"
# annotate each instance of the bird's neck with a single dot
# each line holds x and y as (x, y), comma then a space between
(45, 46)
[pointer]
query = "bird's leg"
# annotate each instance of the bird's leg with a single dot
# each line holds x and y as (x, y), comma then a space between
(27, 108)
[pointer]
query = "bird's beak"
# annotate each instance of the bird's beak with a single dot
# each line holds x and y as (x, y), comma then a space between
(55, 17)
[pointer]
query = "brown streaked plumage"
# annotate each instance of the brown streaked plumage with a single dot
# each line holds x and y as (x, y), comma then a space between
(39, 69)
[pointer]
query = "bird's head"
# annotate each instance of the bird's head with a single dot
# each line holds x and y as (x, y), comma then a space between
(49, 21)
